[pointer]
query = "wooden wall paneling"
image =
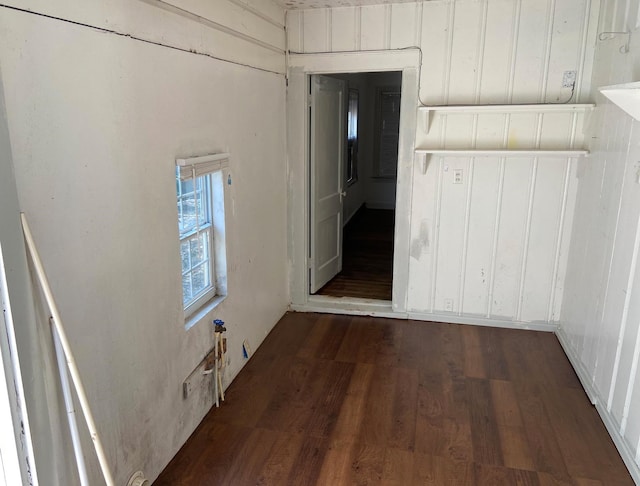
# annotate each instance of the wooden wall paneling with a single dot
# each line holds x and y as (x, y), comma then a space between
(423, 240)
(464, 53)
(517, 176)
(316, 30)
(499, 40)
(458, 131)
(295, 30)
(521, 130)
(566, 44)
(556, 130)
(374, 28)
(545, 229)
(404, 21)
(483, 200)
(344, 34)
(490, 130)
(451, 233)
(624, 277)
(436, 33)
(613, 182)
(530, 47)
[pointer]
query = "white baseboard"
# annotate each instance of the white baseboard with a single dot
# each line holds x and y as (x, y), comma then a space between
(482, 321)
(378, 308)
(628, 456)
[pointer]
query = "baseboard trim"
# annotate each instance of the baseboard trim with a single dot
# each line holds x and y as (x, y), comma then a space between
(483, 321)
(382, 308)
(628, 456)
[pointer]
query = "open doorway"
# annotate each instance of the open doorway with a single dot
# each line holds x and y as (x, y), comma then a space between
(370, 132)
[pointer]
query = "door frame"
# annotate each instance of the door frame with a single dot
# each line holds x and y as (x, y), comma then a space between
(301, 67)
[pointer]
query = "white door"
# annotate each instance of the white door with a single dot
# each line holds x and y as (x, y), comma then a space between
(327, 178)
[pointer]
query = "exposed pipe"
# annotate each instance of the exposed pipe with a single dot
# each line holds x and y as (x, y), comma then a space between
(71, 364)
(71, 411)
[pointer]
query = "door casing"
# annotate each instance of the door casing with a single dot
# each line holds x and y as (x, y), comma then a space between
(301, 67)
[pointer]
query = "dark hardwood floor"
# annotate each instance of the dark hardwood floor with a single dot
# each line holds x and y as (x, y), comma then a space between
(345, 400)
(367, 260)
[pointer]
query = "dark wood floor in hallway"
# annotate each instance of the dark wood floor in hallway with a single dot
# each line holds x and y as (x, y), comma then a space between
(367, 257)
(347, 400)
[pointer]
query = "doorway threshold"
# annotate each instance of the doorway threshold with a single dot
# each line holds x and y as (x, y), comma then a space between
(349, 306)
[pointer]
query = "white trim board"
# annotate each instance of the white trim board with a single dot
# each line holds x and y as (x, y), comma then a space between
(355, 62)
(628, 456)
(382, 308)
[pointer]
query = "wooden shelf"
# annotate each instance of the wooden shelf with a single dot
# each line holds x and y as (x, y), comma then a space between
(427, 153)
(528, 108)
(502, 153)
(626, 96)
(542, 108)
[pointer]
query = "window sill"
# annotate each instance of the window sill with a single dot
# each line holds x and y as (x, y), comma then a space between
(202, 312)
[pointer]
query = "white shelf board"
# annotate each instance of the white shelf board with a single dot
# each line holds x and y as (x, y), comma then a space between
(430, 111)
(528, 108)
(502, 153)
(626, 96)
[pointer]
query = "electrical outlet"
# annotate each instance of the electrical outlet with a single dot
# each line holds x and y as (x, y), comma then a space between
(569, 79)
(448, 305)
(457, 176)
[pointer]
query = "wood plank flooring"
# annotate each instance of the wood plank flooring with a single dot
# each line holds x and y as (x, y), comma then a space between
(348, 400)
(367, 260)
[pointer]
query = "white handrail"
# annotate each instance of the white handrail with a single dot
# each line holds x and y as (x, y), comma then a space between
(71, 364)
(71, 410)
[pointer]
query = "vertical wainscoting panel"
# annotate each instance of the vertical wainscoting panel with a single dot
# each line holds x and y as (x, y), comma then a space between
(405, 24)
(501, 27)
(490, 244)
(435, 18)
(316, 30)
(374, 27)
(600, 317)
(489, 51)
(544, 231)
(465, 52)
(344, 32)
(474, 295)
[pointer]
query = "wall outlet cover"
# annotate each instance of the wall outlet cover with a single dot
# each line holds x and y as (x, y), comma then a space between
(569, 79)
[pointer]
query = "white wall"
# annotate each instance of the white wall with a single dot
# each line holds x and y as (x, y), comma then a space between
(600, 325)
(492, 249)
(96, 121)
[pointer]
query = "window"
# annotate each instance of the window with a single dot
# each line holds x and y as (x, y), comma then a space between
(352, 138)
(200, 201)
(388, 133)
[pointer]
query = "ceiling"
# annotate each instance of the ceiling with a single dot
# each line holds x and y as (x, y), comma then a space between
(302, 4)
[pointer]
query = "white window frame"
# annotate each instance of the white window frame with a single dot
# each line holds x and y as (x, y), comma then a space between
(209, 167)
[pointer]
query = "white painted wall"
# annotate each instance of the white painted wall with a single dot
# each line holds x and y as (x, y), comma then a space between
(492, 249)
(95, 122)
(600, 320)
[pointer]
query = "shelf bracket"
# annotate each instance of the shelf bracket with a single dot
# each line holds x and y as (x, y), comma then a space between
(423, 159)
(428, 118)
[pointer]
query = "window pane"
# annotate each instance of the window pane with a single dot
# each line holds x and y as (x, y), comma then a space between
(199, 248)
(188, 215)
(184, 253)
(186, 289)
(200, 279)
(189, 201)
